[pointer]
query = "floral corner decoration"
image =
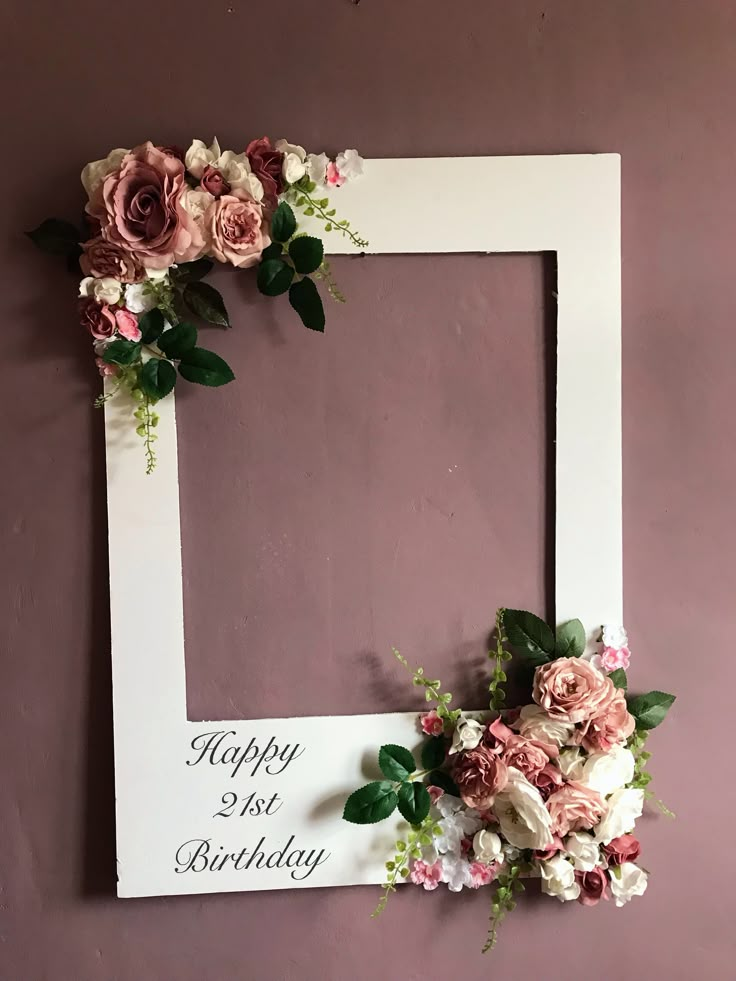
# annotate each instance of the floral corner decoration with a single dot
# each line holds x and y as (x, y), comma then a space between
(550, 791)
(157, 219)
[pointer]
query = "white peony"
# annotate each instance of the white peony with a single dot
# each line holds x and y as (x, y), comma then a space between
(558, 879)
(614, 636)
(350, 164)
(570, 762)
(468, 733)
(94, 173)
(487, 847)
(138, 298)
(583, 850)
(104, 290)
(627, 881)
(199, 156)
(536, 724)
(606, 772)
(316, 164)
(521, 812)
(624, 807)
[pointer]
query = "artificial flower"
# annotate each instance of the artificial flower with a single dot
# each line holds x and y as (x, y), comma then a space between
(571, 762)
(266, 164)
(236, 169)
(583, 850)
(571, 689)
(105, 290)
(574, 807)
(333, 177)
(615, 658)
(625, 848)
(455, 872)
(349, 164)
(140, 298)
(534, 723)
(623, 808)
(467, 734)
(530, 756)
(102, 259)
(214, 182)
(479, 774)
(127, 325)
(293, 166)
(481, 874)
(235, 229)
(593, 885)
(487, 846)
(548, 780)
(613, 635)
(558, 879)
(316, 164)
(606, 772)
(95, 172)
(423, 874)
(627, 881)
(524, 819)
(199, 157)
(432, 724)
(106, 370)
(611, 726)
(97, 318)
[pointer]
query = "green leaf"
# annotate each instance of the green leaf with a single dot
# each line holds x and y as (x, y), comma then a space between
(57, 237)
(414, 802)
(205, 368)
(305, 299)
(650, 709)
(204, 301)
(396, 763)
(274, 251)
(283, 223)
(618, 677)
(306, 253)
(121, 352)
(372, 803)
(178, 340)
(151, 325)
(529, 635)
(189, 272)
(433, 753)
(570, 639)
(274, 277)
(438, 778)
(157, 378)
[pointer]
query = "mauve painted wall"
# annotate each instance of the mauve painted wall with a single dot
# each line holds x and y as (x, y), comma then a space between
(383, 484)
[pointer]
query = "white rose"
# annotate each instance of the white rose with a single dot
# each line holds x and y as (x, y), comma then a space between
(195, 201)
(468, 733)
(570, 762)
(583, 850)
(139, 298)
(627, 881)
(606, 772)
(291, 148)
(94, 173)
(235, 168)
(521, 812)
(487, 847)
(558, 879)
(624, 807)
(293, 168)
(157, 274)
(614, 636)
(350, 164)
(104, 290)
(536, 724)
(199, 156)
(317, 167)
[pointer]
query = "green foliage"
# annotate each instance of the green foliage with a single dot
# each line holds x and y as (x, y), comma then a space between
(204, 301)
(372, 803)
(122, 352)
(570, 639)
(57, 238)
(396, 762)
(274, 277)
(433, 753)
(189, 272)
(414, 802)
(503, 902)
(406, 851)
(151, 325)
(650, 710)
(618, 677)
(306, 252)
(157, 378)
(205, 368)
(273, 251)
(283, 223)
(305, 299)
(500, 655)
(178, 341)
(529, 635)
(432, 692)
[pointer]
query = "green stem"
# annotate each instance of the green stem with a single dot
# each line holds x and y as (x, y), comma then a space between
(357, 241)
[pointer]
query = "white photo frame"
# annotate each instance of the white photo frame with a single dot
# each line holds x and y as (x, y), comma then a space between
(171, 776)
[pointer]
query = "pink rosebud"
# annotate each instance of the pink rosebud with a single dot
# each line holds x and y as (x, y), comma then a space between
(106, 369)
(545, 854)
(432, 724)
(213, 181)
(614, 658)
(593, 886)
(625, 848)
(435, 793)
(426, 875)
(97, 318)
(333, 176)
(127, 325)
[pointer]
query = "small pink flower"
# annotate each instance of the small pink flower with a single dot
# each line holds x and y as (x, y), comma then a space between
(481, 874)
(435, 793)
(432, 724)
(426, 875)
(544, 855)
(333, 176)
(625, 848)
(127, 325)
(613, 658)
(106, 369)
(593, 886)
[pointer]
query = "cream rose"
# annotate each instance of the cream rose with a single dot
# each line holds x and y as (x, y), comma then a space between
(534, 723)
(583, 850)
(94, 173)
(104, 290)
(627, 881)
(606, 772)
(487, 847)
(468, 733)
(624, 807)
(199, 156)
(558, 879)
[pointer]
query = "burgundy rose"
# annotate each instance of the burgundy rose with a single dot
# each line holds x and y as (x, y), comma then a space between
(214, 182)
(625, 848)
(593, 886)
(266, 164)
(97, 318)
(101, 258)
(173, 151)
(479, 774)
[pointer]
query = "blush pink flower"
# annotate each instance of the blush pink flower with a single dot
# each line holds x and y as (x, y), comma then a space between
(545, 854)
(614, 658)
(333, 177)
(611, 727)
(497, 734)
(105, 369)
(235, 228)
(574, 807)
(593, 886)
(127, 324)
(432, 724)
(530, 756)
(548, 780)
(571, 689)
(435, 793)
(97, 318)
(625, 848)
(101, 258)
(479, 774)
(482, 875)
(426, 875)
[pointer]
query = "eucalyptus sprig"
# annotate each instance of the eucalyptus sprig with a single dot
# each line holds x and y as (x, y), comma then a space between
(502, 902)
(407, 849)
(301, 195)
(432, 689)
(500, 656)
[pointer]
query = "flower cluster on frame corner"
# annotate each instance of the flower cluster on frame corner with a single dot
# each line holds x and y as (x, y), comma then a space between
(157, 219)
(551, 790)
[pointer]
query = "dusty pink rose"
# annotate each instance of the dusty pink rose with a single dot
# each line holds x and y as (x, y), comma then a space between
(611, 727)
(426, 875)
(97, 318)
(593, 886)
(235, 229)
(574, 807)
(530, 756)
(482, 875)
(106, 369)
(127, 325)
(213, 181)
(497, 734)
(101, 258)
(544, 854)
(479, 774)
(266, 164)
(173, 151)
(571, 689)
(143, 212)
(432, 724)
(613, 658)
(625, 848)
(548, 780)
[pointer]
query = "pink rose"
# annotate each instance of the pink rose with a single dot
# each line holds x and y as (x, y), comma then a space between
(479, 774)
(593, 886)
(613, 658)
(612, 727)
(106, 369)
(435, 793)
(571, 689)
(97, 318)
(497, 734)
(143, 212)
(575, 807)
(266, 164)
(432, 724)
(481, 874)
(423, 874)
(528, 755)
(234, 225)
(127, 325)
(548, 780)
(101, 258)
(213, 181)
(625, 848)
(545, 854)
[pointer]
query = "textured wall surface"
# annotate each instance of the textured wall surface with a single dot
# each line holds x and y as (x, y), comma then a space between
(384, 484)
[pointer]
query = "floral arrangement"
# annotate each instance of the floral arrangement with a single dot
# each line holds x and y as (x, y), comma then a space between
(551, 790)
(157, 218)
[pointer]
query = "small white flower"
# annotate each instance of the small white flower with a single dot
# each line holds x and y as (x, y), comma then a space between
(199, 156)
(624, 807)
(95, 172)
(104, 290)
(594, 660)
(558, 879)
(583, 850)
(294, 166)
(283, 146)
(571, 761)
(138, 299)
(536, 724)
(487, 847)
(158, 275)
(448, 805)
(521, 812)
(614, 636)
(627, 881)
(468, 733)
(317, 167)
(455, 872)
(350, 164)
(606, 772)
